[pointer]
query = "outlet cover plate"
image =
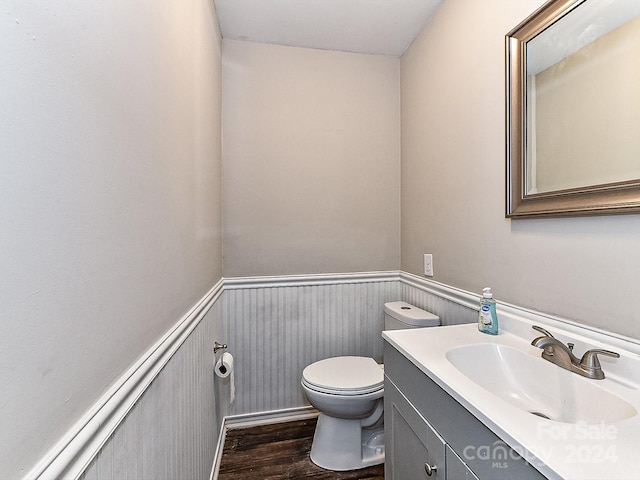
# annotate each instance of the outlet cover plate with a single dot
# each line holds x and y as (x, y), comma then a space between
(428, 264)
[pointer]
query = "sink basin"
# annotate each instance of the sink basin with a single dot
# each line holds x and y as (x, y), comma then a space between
(537, 386)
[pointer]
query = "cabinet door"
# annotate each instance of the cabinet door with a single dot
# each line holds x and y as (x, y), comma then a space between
(412, 447)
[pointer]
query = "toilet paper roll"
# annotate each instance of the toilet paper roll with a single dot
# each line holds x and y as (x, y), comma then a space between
(224, 369)
(224, 366)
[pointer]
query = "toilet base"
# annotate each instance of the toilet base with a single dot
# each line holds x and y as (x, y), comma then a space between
(341, 444)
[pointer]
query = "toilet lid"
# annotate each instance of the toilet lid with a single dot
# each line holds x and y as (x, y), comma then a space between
(345, 375)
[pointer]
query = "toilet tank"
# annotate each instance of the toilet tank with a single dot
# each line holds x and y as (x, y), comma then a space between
(399, 315)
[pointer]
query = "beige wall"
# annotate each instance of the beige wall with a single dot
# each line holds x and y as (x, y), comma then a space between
(311, 161)
(110, 211)
(453, 184)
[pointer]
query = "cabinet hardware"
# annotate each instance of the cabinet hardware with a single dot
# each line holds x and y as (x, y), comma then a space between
(429, 470)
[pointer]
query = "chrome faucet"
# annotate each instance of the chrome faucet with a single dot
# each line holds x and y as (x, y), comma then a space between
(556, 352)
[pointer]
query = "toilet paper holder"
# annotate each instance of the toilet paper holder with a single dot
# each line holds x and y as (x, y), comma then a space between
(219, 346)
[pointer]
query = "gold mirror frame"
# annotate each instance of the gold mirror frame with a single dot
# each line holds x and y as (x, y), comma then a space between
(611, 198)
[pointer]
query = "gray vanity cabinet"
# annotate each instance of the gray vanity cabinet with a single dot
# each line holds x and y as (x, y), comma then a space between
(425, 425)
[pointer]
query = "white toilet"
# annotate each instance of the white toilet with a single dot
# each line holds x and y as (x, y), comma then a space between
(348, 393)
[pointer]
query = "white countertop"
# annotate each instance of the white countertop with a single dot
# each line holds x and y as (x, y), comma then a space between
(558, 450)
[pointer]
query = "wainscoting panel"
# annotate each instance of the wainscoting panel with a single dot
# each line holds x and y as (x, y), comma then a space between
(275, 330)
(172, 431)
(163, 418)
(451, 305)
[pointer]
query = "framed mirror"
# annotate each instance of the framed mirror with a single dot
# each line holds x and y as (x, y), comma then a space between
(573, 110)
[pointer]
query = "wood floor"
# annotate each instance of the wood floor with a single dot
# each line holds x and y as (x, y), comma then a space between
(279, 451)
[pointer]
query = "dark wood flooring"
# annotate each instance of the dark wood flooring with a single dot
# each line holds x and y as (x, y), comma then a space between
(279, 451)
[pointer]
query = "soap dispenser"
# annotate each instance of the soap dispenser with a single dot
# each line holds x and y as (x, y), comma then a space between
(488, 319)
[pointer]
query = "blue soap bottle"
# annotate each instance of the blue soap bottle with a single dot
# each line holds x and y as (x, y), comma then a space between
(488, 320)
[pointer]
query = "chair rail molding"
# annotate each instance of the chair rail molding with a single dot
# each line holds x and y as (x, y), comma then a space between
(310, 314)
(456, 295)
(310, 280)
(76, 449)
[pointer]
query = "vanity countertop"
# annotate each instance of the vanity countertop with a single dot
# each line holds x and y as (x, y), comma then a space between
(559, 450)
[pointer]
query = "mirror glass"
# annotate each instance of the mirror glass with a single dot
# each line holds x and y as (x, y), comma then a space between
(583, 90)
(573, 98)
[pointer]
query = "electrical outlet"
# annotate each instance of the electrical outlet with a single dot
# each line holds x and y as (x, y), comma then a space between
(428, 264)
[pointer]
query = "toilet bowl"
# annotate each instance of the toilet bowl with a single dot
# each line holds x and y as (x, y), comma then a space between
(348, 392)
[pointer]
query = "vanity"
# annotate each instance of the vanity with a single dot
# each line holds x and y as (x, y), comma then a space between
(460, 404)
(428, 433)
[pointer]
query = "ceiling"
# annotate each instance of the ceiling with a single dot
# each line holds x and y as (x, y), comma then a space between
(379, 27)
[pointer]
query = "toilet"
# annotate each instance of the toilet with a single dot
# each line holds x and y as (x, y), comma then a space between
(348, 392)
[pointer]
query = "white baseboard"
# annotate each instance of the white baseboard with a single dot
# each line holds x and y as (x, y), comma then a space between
(267, 418)
(234, 422)
(215, 468)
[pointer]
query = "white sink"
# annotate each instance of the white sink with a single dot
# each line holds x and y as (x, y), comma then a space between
(537, 386)
(594, 425)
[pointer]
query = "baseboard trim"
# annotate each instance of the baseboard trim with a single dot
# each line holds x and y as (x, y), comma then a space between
(217, 458)
(74, 452)
(233, 422)
(265, 418)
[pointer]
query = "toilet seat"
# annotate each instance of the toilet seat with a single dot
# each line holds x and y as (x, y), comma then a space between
(344, 376)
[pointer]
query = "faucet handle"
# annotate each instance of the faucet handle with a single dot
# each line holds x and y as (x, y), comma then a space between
(542, 330)
(546, 333)
(591, 363)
